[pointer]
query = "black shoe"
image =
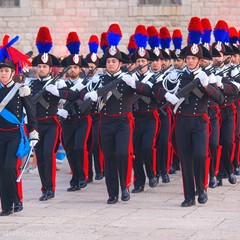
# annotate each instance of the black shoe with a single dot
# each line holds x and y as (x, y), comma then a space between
(82, 184)
(213, 182)
(18, 207)
(5, 212)
(47, 195)
(138, 189)
(153, 182)
(232, 178)
(99, 176)
(112, 200)
(188, 203)
(202, 198)
(90, 180)
(165, 178)
(237, 171)
(125, 195)
(220, 182)
(172, 170)
(73, 189)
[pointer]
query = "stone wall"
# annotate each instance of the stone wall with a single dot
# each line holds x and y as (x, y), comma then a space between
(94, 17)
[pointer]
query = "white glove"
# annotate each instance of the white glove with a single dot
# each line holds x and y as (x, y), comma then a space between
(61, 84)
(52, 89)
(204, 80)
(33, 137)
(129, 80)
(78, 86)
(219, 81)
(62, 113)
(93, 95)
(212, 78)
(234, 72)
(172, 98)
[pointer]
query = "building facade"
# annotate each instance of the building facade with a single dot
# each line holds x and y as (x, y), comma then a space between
(24, 17)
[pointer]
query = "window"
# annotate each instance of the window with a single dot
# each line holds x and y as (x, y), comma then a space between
(160, 2)
(9, 3)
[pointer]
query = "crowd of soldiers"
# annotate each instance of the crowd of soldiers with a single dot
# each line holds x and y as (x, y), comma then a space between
(154, 110)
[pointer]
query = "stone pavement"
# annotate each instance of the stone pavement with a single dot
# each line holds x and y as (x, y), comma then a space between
(153, 214)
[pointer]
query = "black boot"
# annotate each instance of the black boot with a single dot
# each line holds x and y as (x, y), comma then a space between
(18, 207)
(202, 198)
(188, 203)
(125, 195)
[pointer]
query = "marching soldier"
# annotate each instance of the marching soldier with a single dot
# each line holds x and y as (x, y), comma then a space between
(48, 124)
(227, 108)
(13, 143)
(192, 122)
(145, 117)
(77, 124)
(94, 82)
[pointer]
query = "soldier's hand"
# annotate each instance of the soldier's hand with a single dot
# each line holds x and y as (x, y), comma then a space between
(212, 78)
(204, 80)
(129, 80)
(234, 72)
(33, 138)
(52, 89)
(219, 81)
(62, 113)
(93, 95)
(172, 98)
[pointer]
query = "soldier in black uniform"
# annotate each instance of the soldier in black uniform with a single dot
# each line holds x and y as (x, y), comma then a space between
(116, 121)
(94, 81)
(13, 145)
(48, 124)
(227, 108)
(145, 117)
(192, 124)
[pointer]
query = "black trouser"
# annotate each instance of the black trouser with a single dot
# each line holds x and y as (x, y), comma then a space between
(214, 147)
(227, 139)
(144, 146)
(11, 191)
(236, 160)
(192, 136)
(75, 136)
(46, 152)
(116, 132)
(94, 147)
(164, 142)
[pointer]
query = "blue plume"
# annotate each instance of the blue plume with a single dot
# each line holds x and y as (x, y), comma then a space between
(44, 47)
(113, 38)
(141, 40)
(194, 37)
(154, 41)
(73, 47)
(206, 37)
(220, 35)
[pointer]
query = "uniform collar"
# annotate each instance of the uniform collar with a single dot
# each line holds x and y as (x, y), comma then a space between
(72, 82)
(45, 79)
(143, 74)
(194, 71)
(114, 74)
(8, 85)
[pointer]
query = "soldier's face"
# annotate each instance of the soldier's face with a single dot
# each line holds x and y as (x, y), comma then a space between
(165, 63)
(178, 63)
(92, 68)
(192, 62)
(156, 65)
(236, 58)
(142, 62)
(113, 65)
(74, 71)
(43, 70)
(204, 63)
(6, 75)
(217, 60)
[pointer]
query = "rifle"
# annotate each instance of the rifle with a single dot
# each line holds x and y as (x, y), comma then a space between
(38, 97)
(104, 90)
(217, 64)
(68, 104)
(183, 94)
